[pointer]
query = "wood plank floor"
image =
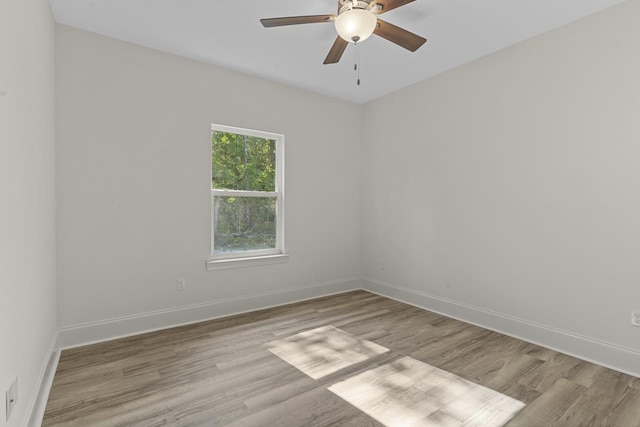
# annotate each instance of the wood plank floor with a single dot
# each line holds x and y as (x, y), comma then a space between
(228, 372)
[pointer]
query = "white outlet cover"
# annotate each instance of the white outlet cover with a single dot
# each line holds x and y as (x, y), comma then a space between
(635, 318)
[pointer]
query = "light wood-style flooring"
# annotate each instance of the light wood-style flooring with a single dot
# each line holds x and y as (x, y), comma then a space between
(354, 359)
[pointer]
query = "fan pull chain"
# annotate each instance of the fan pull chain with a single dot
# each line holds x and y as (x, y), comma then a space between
(356, 66)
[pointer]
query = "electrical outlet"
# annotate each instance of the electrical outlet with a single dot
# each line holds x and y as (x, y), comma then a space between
(11, 397)
(181, 284)
(635, 318)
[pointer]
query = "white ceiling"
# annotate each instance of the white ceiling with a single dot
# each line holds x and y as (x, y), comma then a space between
(228, 33)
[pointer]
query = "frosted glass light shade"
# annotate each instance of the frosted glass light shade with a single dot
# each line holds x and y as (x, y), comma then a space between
(355, 24)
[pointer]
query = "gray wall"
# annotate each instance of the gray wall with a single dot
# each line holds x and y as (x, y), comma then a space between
(133, 148)
(510, 184)
(27, 186)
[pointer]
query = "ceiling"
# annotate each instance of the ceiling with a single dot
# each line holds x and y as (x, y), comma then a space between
(228, 33)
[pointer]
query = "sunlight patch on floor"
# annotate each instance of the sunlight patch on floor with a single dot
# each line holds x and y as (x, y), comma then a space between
(408, 392)
(323, 351)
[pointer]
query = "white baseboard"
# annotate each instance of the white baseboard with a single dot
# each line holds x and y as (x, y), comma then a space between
(90, 333)
(610, 355)
(38, 402)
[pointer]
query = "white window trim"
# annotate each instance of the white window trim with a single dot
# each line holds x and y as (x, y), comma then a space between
(224, 264)
(276, 255)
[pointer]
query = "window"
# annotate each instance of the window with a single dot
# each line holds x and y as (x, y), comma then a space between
(247, 198)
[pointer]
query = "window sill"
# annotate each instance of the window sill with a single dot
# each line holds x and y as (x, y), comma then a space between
(223, 264)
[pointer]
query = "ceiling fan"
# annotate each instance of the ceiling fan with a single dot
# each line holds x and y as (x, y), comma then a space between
(355, 22)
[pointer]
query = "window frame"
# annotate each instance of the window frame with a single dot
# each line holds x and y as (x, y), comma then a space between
(230, 260)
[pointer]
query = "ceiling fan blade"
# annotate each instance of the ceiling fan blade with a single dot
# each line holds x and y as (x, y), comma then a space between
(295, 20)
(399, 36)
(388, 5)
(336, 51)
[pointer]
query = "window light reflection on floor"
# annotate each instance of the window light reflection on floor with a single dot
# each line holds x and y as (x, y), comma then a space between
(408, 392)
(323, 351)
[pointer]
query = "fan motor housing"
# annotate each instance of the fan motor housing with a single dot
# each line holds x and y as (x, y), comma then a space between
(355, 4)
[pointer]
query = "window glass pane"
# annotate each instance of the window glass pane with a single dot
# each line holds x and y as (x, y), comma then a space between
(241, 162)
(243, 224)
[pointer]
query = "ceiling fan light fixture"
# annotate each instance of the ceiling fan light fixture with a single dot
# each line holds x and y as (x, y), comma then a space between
(355, 25)
(355, 22)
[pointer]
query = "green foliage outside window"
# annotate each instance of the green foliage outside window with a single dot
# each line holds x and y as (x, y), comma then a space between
(243, 163)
